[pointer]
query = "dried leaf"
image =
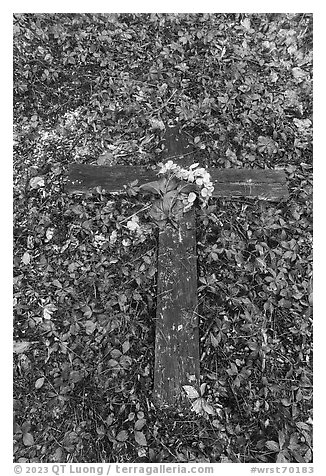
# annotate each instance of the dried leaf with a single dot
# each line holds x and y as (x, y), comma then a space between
(106, 159)
(299, 74)
(28, 439)
(21, 347)
(90, 327)
(48, 311)
(246, 23)
(39, 382)
(122, 435)
(26, 258)
(49, 234)
(157, 124)
(36, 182)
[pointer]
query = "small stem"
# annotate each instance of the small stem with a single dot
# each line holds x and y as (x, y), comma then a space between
(136, 213)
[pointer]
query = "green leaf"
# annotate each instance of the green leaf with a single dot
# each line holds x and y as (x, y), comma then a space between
(26, 426)
(207, 407)
(125, 346)
(140, 438)
(157, 212)
(214, 340)
(168, 201)
(266, 144)
(285, 402)
(197, 406)
(281, 458)
(186, 187)
(48, 311)
(154, 187)
(272, 445)
(203, 388)
(177, 210)
(171, 184)
(190, 391)
(140, 424)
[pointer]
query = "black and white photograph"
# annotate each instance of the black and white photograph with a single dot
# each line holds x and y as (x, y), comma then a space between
(162, 241)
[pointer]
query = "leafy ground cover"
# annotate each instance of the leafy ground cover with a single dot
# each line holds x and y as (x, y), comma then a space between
(99, 89)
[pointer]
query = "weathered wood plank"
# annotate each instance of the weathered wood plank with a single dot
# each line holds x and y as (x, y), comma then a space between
(262, 191)
(244, 175)
(262, 184)
(177, 340)
(176, 329)
(82, 177)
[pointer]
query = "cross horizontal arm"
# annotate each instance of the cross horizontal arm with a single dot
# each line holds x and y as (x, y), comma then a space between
(256, 183)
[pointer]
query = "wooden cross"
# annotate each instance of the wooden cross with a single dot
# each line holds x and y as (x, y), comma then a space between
(176, 329)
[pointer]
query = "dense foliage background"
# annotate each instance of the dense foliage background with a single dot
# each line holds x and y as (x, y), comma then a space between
(99, 89)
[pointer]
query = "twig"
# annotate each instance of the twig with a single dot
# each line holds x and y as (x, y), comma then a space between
(136, 213)
(166, 103)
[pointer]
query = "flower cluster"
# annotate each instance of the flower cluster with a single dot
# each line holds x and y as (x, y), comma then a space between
(133, 224)
(196, 175)
(99, 240)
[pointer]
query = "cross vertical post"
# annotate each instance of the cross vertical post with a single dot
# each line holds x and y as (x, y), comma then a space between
(176, 323)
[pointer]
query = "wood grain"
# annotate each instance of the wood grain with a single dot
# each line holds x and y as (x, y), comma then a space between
(228, 183)
(176, 327)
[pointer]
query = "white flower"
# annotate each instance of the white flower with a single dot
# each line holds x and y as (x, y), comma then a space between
(169, 165)
(192, 197)
(180, 173)
(133, 224)
(113, 237)
(196, 174)
(200, 172)
(206, 177)
(190, 177)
